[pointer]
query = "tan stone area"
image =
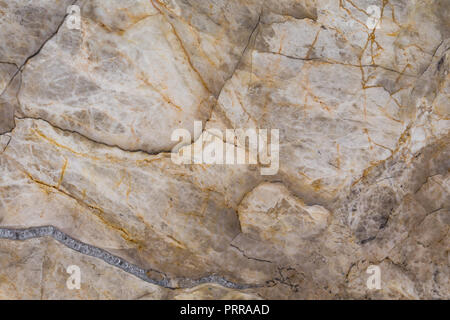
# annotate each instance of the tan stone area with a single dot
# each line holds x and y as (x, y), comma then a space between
(86, 118)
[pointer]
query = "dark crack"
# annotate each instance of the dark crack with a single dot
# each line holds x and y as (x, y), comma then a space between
(245, 255)
(90, 139)
(7, 144)
(238, 63)
(22, 66)
(12, 77)
(45, 41)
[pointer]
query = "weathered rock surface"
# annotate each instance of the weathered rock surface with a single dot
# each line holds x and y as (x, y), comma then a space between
(86, 170)
(44, 277)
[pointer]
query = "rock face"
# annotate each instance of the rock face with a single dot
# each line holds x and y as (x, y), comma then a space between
(91, 95)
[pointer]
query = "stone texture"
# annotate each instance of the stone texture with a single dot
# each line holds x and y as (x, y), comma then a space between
(44, 277)
(7, 71)
(86, 118)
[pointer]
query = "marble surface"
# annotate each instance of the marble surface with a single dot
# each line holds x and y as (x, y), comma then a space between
(86, 170)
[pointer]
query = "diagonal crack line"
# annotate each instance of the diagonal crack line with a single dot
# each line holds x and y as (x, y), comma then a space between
(251, 258)
(20, 68)
(7, 144)
(238, 64)
(90, 250)
(44, 43)
(92, 140)
(244, 51)
(12, 77)
(432, 58)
